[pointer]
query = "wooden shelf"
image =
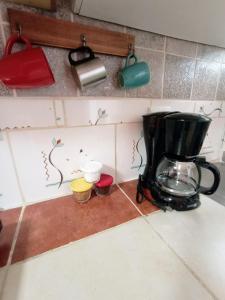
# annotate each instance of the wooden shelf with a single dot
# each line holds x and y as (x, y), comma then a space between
(53, 32)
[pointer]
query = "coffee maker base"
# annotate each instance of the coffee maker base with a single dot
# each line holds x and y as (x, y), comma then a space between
(178, 203)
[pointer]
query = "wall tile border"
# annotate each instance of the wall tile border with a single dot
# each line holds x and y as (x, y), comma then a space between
(59, 116)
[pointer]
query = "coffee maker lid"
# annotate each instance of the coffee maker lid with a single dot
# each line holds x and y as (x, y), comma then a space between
(159, 114)
(185, 133)
(188, 117)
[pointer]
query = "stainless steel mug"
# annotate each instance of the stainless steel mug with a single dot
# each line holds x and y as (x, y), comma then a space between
(88, 71)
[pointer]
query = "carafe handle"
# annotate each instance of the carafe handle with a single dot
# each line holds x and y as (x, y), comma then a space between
(201, 162)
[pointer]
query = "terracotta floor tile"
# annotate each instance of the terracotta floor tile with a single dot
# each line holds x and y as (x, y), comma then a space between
(53, 223)
(9, 220)
(130, 188)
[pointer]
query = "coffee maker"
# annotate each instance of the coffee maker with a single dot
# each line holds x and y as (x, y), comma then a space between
(172, 175)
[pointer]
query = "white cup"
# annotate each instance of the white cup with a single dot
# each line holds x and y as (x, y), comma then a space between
(92, 171)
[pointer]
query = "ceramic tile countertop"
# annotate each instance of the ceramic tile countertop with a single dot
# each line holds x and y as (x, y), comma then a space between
(198, 238)
(127, 262)
(172, 255)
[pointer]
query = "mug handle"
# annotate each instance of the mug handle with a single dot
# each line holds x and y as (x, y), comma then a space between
(129, 57)
(82, 49)
(14, 39)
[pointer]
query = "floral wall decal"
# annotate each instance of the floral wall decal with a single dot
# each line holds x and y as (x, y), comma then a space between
(64, 176)
(136, 150)
(45, 162)
(56, 143)
(101, 115)
(74, 172)
(15, 127)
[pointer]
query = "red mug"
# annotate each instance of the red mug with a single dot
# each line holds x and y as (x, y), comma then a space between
(27, 68)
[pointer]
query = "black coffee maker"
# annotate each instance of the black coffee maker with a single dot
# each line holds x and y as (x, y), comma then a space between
(172, 174)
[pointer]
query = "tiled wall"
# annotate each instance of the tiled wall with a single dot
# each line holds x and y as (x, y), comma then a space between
(33, 122)
(180, 69)
(32, 127)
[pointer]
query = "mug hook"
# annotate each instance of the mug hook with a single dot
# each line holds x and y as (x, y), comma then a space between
(130, 49)
(83, 40)
(19, 29)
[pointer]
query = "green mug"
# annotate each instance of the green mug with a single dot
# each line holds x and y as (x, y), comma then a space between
(134, 75)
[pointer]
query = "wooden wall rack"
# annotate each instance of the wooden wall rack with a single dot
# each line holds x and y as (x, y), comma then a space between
(53, 32)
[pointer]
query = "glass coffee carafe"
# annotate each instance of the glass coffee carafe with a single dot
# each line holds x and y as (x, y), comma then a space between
(183, 178)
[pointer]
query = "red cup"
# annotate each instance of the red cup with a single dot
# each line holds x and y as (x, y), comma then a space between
(27, 68)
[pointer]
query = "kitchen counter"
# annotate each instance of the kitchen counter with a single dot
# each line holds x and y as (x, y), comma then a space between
(198, 239)
(50, 224)
(156, 255)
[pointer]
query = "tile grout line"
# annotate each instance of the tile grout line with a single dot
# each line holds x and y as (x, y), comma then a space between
(71, 16)
(78, 92)
(218, 81)
(4, 42)
(4, 22)
(115, 152)
(2, 29)
(125, 194)
(175, 54)
(14, 167)
(54, 111)
(66, 194)
(192, 83)
(150, 49)
(100, 98)
(64, 113)
(164, 67)
(15, 237)
(14, 93)
(181, 55)
(182, 261)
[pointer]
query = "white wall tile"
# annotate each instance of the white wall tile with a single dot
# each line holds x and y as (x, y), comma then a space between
(172, 105)
(59, 113)
(208, 107)
(9, 192)
(213, 143)
(85, 112)
(26, 113)
(130, 162)
(39, 179)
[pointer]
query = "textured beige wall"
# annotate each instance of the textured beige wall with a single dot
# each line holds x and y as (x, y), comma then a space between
(179, 69)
